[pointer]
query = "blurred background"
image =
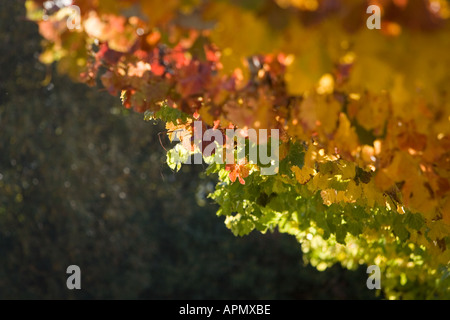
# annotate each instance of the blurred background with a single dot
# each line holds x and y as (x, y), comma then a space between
(84, 181)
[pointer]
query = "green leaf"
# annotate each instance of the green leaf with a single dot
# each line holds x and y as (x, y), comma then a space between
(239, 226)
(169, 114)
(341, 233)
(414, 220)
(399, 228)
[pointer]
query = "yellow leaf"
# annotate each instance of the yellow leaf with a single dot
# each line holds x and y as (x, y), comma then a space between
(304, 174)
(345, 140)
(348, 169)
(446, 212)
(438, 230)
(320, 182)
(417, 197)
(354, 192)
(372, 194)
(329, 196)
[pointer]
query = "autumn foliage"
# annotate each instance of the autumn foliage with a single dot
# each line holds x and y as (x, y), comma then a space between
(363, 115)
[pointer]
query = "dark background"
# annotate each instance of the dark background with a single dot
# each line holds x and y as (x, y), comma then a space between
(83, 181)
